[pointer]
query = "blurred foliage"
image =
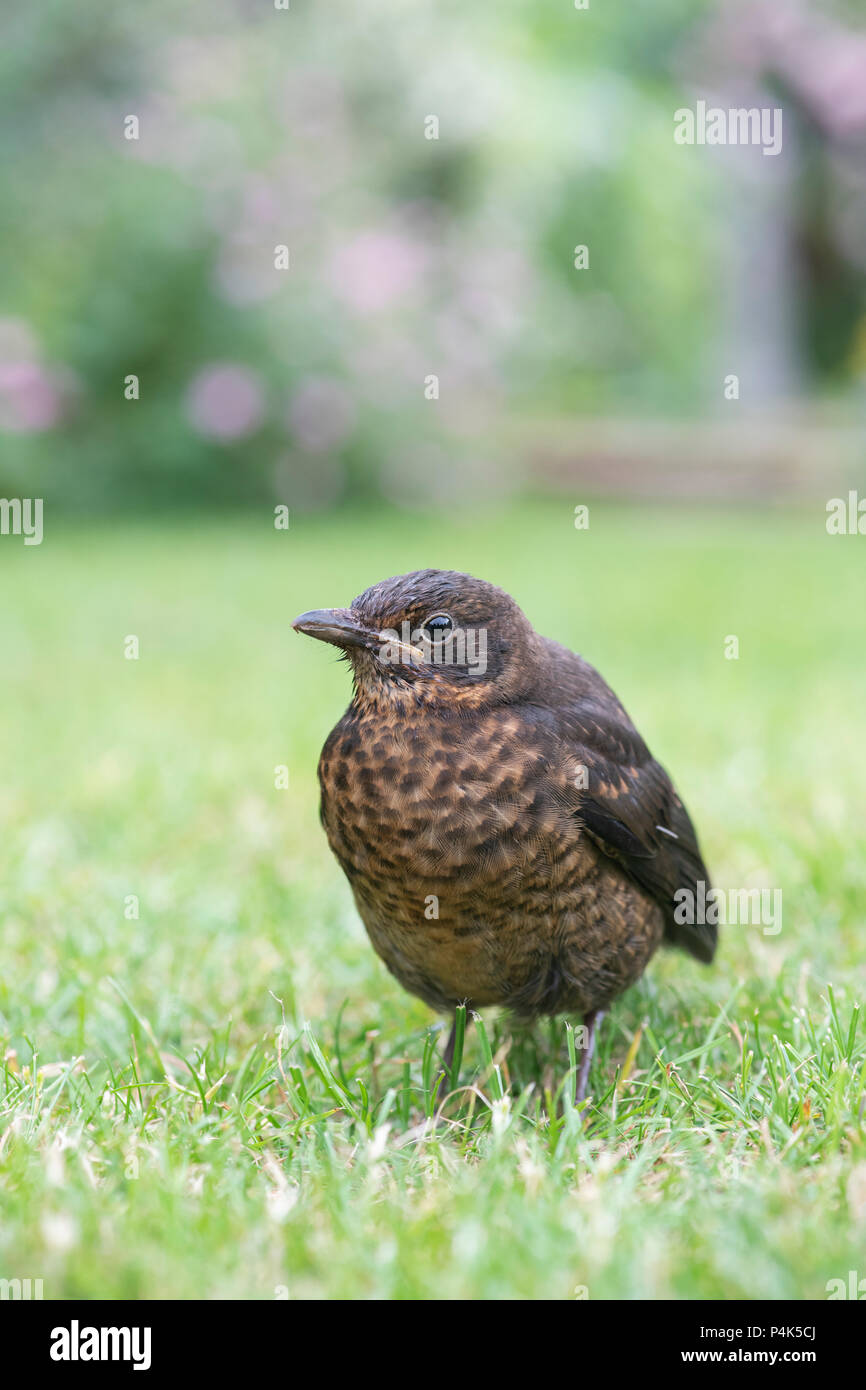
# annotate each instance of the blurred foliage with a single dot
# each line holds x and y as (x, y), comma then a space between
(409, 256)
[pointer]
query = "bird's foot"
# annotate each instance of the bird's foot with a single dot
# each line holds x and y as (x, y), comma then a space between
(590, 1023)
(447, 1079)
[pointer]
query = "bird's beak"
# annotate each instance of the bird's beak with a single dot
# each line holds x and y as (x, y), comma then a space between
(335, 625)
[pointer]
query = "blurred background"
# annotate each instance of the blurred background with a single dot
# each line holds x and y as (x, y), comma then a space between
(412, 256)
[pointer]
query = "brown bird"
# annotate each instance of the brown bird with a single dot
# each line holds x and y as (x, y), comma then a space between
(507, 835)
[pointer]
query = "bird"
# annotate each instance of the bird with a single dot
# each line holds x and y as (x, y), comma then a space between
(508, 837)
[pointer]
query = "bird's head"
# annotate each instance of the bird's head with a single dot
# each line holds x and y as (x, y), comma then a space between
(431, 637)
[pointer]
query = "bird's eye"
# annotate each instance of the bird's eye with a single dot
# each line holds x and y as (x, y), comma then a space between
(438, 626)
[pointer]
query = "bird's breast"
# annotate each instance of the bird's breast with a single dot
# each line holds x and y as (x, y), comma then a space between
(460, 841)
(434, 800)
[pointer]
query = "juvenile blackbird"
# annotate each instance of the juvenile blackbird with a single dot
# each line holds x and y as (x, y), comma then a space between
(507, 835)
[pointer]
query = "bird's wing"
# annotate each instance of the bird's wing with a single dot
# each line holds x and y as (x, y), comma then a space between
(626, 802)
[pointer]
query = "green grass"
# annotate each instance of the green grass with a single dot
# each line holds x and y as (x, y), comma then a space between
(229, 1095)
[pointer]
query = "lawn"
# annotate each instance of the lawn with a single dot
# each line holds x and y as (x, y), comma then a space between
(212, 1088)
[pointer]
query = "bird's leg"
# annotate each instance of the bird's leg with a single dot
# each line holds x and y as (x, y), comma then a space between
(590, 1023)
(444, 1078)
(448, 1054)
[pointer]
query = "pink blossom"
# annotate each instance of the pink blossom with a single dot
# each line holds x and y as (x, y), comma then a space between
(30, 397)
(225, 401)
(376, 268)
(321, 414)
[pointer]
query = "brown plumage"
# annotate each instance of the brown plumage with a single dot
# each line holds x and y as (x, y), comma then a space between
(507, 835)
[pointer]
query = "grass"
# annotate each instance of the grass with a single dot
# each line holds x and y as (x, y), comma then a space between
(226, 1095)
